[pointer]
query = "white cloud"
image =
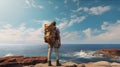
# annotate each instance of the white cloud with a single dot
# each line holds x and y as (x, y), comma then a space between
(56, 7)
(70, 37)
(74, 0)
(94, 10)
(31, 3)
(22, 27)
(118, 21)
(34, 35)
(8, 34)
(73, 16)
(111, 35)
(105, 25)
(62, 25)
(21, 34)
(50, 2)
(7, 26)
(79, 9)
(76, 20)
(87, 32)
(40, 7)
(65, 1)
(99, 10)
(27, 3)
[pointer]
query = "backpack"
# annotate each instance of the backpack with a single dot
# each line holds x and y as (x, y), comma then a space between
(50, 33)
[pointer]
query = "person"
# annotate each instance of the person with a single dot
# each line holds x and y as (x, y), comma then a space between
(56, 46)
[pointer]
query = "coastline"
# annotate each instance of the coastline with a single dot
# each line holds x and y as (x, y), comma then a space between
(90, 64)
(41, 61)
(72, 64)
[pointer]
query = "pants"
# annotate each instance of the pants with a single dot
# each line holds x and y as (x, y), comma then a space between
(50, 48)
(56, 53)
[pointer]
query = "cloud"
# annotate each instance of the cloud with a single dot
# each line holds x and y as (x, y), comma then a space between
(78, 10)
(56, 7)
(70, 37)
(99, 10)
(7, 26)
(32, 4)
(109, 36)
(76, 20)
(65, 1)
(50, 2)
(74, 0)
(62, 25)
(28, 4)
(105, 25)
(9, 34)
(78, 2)
(65, 24)
(93, 10)
(40, 7)
(87, 32)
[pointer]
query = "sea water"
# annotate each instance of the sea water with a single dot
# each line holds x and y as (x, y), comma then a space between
(79, 53)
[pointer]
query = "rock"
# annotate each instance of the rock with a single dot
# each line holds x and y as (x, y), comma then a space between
(34, 60)
(10, 64)
(101, 63)
(98, 64)
(19, 61)
(115, 64)
(72, 64)
(29, 66)
(83, 65)
(69, 64)
(2, 60)
(111, 53)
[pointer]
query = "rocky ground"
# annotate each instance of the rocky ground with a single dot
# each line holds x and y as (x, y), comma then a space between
(72, 64)
(20, 61)
(41, 61)
(109, 53)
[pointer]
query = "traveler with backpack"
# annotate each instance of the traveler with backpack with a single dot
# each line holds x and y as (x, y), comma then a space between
(52, 37)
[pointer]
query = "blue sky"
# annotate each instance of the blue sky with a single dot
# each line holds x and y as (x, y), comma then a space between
(80, 21)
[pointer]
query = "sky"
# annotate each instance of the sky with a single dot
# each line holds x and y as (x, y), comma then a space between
(79, 21)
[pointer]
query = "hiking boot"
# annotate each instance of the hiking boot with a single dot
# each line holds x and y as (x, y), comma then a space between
(49, 63)
(57, 63)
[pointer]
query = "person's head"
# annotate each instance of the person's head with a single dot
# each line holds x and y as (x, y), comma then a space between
(54, 23)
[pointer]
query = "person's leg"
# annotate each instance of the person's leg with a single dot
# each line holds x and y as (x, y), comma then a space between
(56, 53)
(49, 55)
(57, 56)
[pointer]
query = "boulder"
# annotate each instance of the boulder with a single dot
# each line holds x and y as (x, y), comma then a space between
(111, 53)
(18, 61)
(70, 64)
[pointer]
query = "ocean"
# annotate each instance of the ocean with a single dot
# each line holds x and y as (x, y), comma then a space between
(79, 53)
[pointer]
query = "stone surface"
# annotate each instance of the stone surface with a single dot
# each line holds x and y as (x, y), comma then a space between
(69, 64)
(19, 61)
(41, 61)
(111, 53)
(90, 64)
